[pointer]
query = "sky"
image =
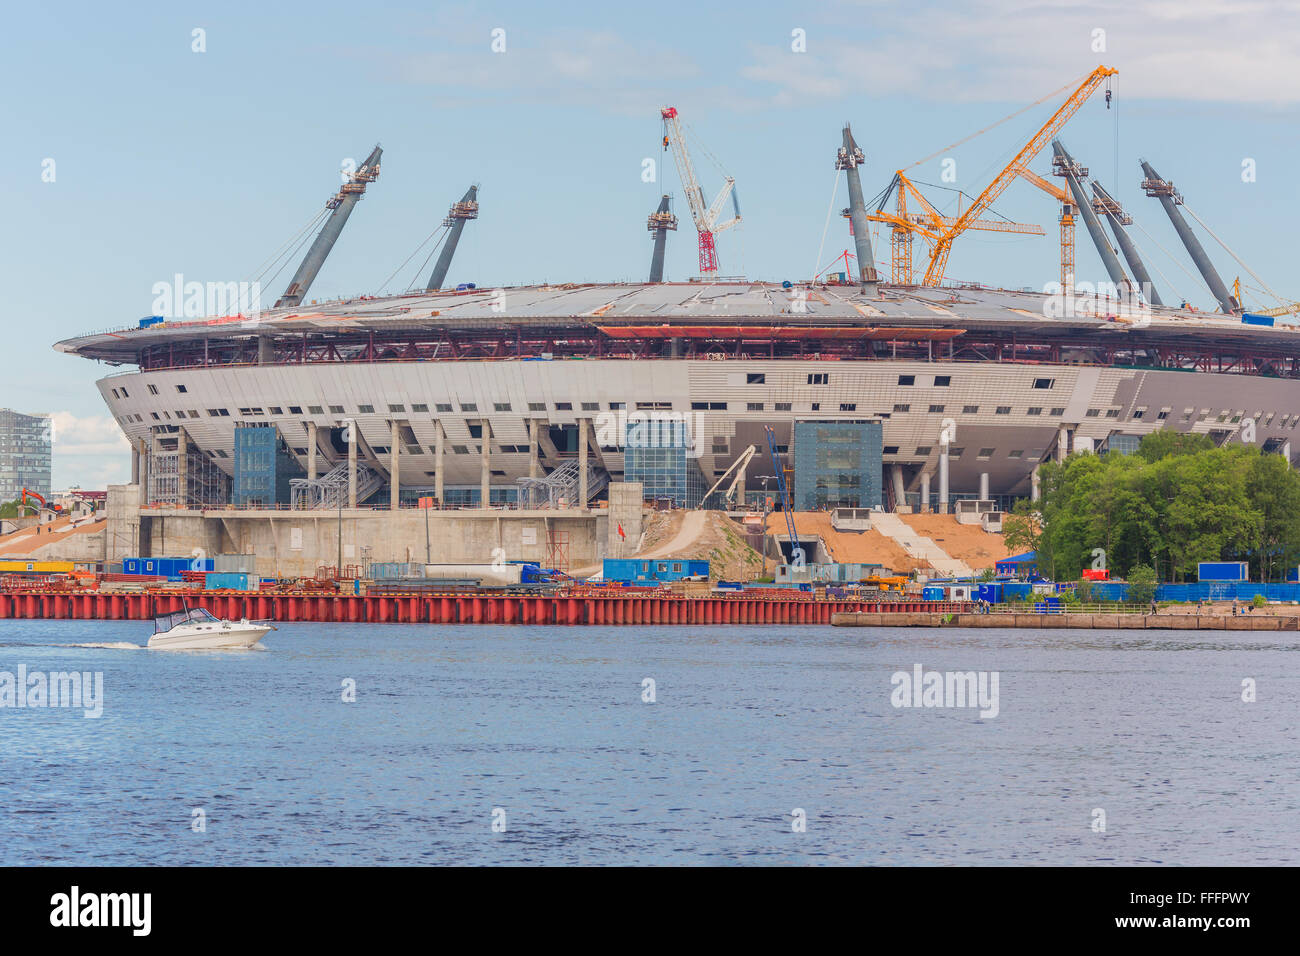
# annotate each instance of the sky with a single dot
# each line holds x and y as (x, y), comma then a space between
(137, 148)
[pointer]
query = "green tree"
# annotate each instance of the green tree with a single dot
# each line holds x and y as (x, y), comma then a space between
(1020, 528)
(1141, 584)
(1164, 443)
(1084, 590)
(1273, 489)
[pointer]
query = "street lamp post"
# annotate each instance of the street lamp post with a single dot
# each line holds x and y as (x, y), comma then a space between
(428, 555)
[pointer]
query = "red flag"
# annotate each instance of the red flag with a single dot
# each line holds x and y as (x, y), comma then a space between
(620, 531)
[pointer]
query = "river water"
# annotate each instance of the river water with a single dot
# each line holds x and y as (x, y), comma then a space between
(512, 745)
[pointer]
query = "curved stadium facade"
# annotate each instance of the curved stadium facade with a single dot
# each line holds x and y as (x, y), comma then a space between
(458, 392)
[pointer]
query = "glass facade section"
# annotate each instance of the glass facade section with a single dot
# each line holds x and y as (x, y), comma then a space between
(837, 464)
(661, 455)
(1124, 444)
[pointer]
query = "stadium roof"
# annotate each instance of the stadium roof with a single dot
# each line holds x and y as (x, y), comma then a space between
(720, 304)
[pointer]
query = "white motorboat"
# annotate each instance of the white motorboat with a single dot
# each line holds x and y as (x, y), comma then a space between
(196, 629)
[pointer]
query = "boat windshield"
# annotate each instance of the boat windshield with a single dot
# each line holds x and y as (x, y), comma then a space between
(196, 615)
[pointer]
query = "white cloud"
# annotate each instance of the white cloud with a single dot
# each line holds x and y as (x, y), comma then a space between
(89, 451)
(1228, 51)
(1206, 50)
(598, 69)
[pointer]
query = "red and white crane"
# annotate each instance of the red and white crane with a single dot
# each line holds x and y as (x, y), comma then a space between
(705, 217)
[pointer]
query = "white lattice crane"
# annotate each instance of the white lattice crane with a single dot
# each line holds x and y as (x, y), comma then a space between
(705, 217)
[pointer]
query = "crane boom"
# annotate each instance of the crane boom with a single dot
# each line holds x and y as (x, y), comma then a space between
(1068, 210)
(796, 552)
(738, 466)
(929, 224)
(939, 255)
(675, 139)
(704, 215)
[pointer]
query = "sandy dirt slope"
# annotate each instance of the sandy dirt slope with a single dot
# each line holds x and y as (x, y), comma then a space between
(708, 535)
(965, 542)
(867, 547)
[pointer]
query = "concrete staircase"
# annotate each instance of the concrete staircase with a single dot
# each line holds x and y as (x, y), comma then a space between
(919, 546)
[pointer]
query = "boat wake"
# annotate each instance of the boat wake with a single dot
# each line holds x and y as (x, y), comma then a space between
(111, 646)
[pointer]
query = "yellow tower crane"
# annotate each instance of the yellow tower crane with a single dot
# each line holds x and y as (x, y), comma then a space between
(943, 245)
(929, 223)
(1067, 222)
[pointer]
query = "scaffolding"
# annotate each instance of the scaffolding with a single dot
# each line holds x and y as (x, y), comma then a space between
(189, 480)
(561, 487)
(330, 490)
(557, 550)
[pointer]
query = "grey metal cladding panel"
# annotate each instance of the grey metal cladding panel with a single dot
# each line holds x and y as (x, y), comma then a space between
(1085, 387)
(1179, 390)
(1126, 393)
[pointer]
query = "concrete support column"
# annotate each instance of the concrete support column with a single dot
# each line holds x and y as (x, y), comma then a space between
(485, 473)
(145, 448)
(311, 451)
(943, 480)
(439, 451)
(1062, 444)
(352, 436)
(135, 465)
(182, 468)
(900, 491)
(582, 462)
(925, 492)
(984, 486)
(394, 475)
(1033, 484)
(534, 466)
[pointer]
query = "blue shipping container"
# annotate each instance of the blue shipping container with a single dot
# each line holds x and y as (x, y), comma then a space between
(227, 580)
(1251, 318)
(636, 571)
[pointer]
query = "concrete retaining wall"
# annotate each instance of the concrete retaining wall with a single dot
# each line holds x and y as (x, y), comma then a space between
(1176, 622)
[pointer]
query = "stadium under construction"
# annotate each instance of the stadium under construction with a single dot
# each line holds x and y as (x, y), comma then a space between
(906, 393)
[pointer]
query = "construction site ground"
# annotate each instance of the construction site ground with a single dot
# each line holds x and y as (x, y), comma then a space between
(26, 541)
(866, 547)
(708, 535)
(966, 542)
(969, 543)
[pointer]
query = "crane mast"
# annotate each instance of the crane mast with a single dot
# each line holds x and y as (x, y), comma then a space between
(929, 224)
(704, 216)
(1067, 221)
